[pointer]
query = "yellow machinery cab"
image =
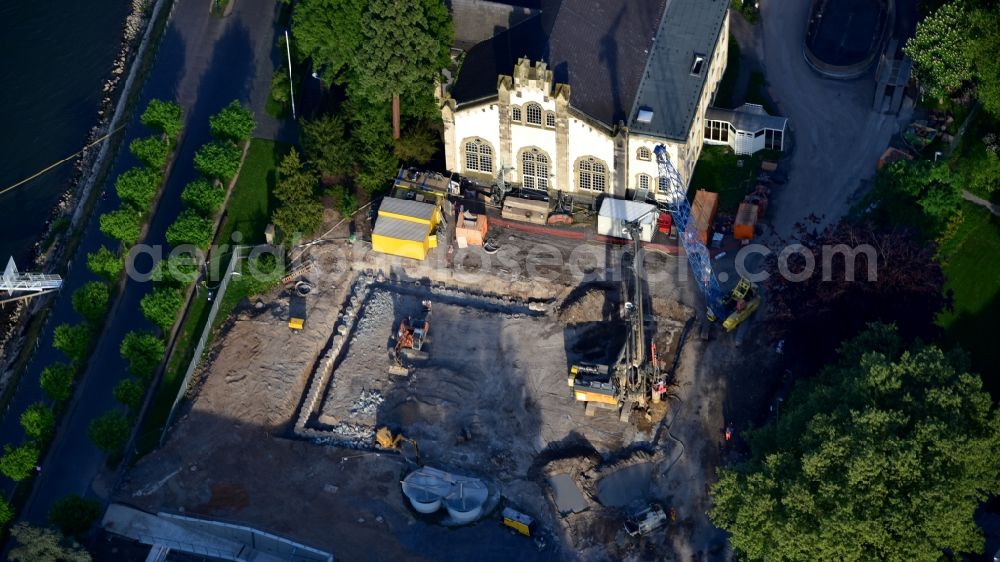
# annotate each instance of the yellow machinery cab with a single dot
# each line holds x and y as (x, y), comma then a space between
(296, 323)
(518, 521)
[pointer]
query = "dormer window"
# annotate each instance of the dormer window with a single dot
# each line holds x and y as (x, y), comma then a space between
(697, 65)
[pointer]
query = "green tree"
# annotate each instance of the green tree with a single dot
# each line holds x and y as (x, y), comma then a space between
(418, 144)
(325, 145)
(329, 32)
(161, 306)
(91, 301)
(19, 463)
(123, 225)
(203, 196)
(57, 381)
(138, 187)
(38, 421)
(153, 151)
(280, 92)
(299, 212)
(919, 193)
(218, 160)
(940, 50)
(234, 122)
(109, 432)
(41, 544)
(885, 455)
(130, 392)
(74, 341)
(165, 117)
(178, 270)
(372, 139)
(74, 515)
(190, 228)
(6, 512)
(143, 351)
(106, 264)
(985, 44)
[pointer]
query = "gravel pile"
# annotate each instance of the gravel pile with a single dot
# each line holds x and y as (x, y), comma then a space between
(378, 306)
(349, 435)
(367, 403)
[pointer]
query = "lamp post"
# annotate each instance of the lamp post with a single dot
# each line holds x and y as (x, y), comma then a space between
(291, 86)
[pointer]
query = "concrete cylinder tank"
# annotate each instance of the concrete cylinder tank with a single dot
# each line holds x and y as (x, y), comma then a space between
(465, 503)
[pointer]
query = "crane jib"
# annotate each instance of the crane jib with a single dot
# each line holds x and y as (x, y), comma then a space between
(698, 256)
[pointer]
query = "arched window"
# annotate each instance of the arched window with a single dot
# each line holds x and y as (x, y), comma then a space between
(644, 181)
(534, 114)
(534, 167)
(663, 185)
(643, 153)
(550, 119)
(592, 174)
(478, 156)
(515, 114)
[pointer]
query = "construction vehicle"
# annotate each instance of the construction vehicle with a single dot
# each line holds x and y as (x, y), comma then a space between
(385, 439)
(297, 305)
(630, 381)
(645, 520)
(729, 308)
(412, 334)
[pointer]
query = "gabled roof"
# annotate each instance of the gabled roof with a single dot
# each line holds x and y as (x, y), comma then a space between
(614, 54)
(747, 117)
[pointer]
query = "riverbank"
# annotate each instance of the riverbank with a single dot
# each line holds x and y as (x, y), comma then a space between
(20, 325)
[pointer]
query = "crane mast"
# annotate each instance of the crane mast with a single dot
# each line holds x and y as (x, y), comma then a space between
(697, 254)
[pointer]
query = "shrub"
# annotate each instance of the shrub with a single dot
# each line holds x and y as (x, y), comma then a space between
(234, 122)
(91, 301)
(190, 228)
(19, 463)
(74, 514)
(153, 151)
(143, 351)
(109, 432)
(138, 187)
(130, 393)
(74, 341)
(161, 306)
(178, 270)
(57, 381)
(6, 513)
(123, 225)
(38, 421)
(164, 116)
(42, 544)
(105, 263)
(203, 196)
(219, 160)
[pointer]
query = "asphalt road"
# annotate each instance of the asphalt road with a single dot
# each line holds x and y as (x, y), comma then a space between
(202, 62)
(836, 137)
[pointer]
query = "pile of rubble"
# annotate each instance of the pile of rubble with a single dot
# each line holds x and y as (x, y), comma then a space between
(367, 403)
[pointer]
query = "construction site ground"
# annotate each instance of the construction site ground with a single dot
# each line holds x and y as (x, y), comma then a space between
(490, 401)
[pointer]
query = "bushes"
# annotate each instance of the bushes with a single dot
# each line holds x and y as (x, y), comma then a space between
(38, 421)
(110, 432)
(143, 351)
(130, 393)
(178, 270)
(74, 515)
(42, 544)
(106, 264)
(165, 117)
(234, 123)
(74, 341)
(153, 151)
(57, 381)
(137, 187)
(161, 306)
(6, 513)
(123, 225)
(203, 197)
(218, 160)
(91, 301)
(190, 228)
(19, 463)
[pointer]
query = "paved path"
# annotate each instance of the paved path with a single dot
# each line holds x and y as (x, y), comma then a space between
(836, 136)
(203, 62)
(973, 198)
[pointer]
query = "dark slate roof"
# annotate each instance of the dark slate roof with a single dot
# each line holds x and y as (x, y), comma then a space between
(601, 48)
(598, 47)
(668, 88)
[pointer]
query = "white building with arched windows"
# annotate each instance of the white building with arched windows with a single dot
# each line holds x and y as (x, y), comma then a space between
(575, 98)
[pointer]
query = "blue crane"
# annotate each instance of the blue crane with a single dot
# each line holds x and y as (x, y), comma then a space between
(697, 253)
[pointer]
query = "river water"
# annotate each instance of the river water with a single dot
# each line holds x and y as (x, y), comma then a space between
(56, 57)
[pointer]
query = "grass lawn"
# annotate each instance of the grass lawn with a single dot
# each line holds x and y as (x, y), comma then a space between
(973, 274)
(718, 171)
(248, 213)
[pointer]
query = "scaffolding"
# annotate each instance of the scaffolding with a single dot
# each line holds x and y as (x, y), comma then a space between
(26, 285)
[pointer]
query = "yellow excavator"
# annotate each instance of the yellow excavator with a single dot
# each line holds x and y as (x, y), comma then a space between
(385, 439)
(742, 302)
